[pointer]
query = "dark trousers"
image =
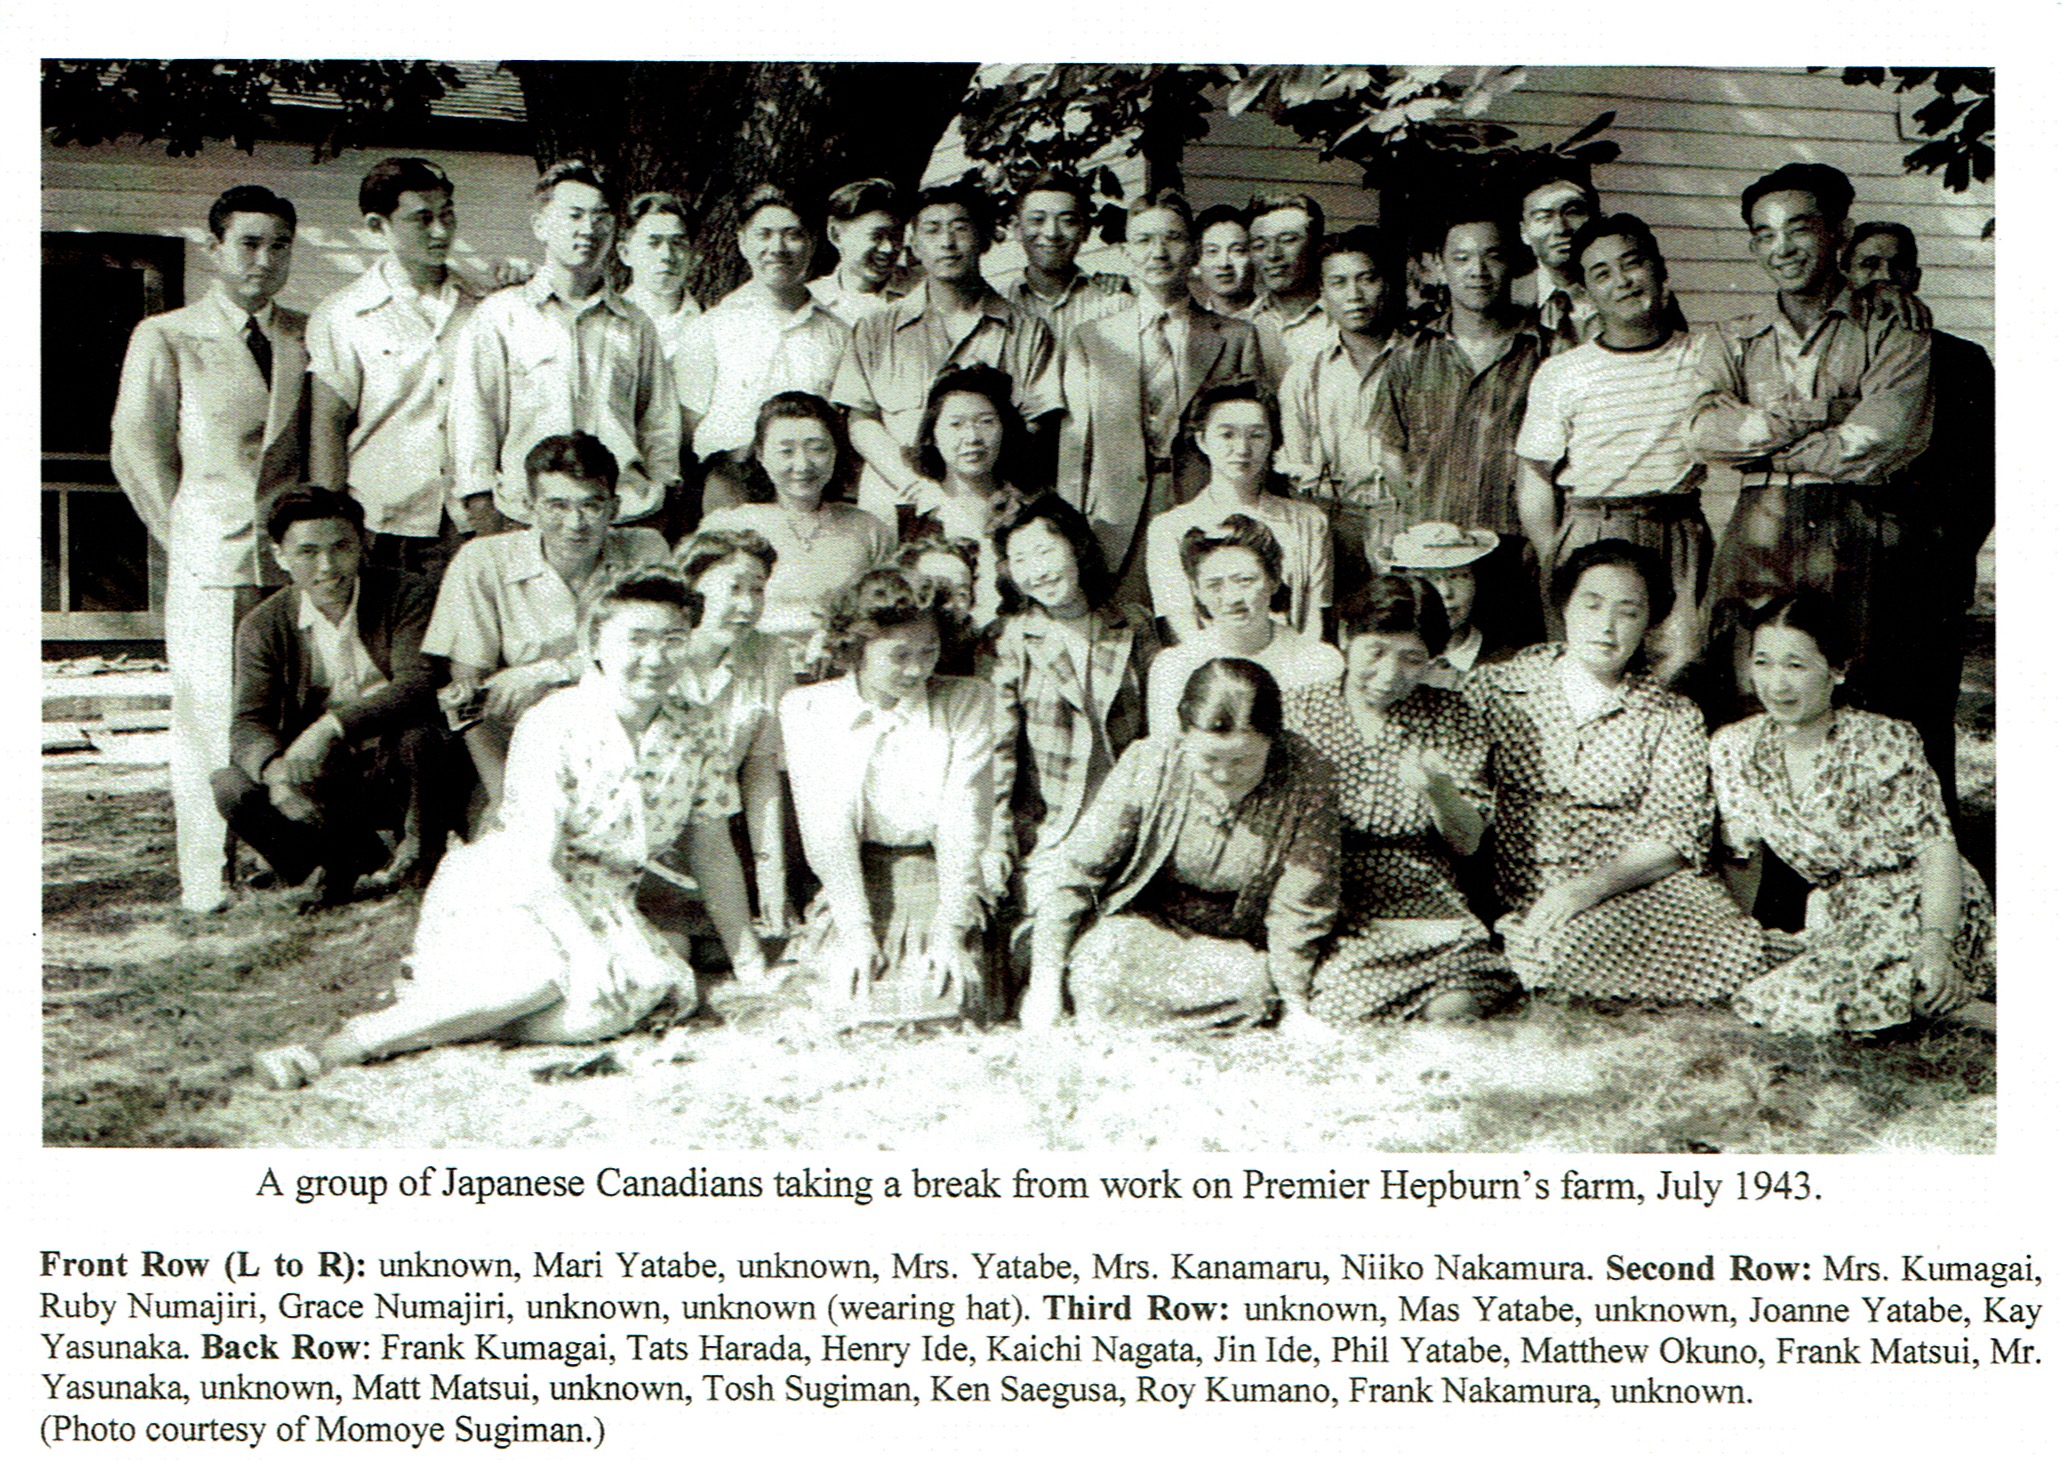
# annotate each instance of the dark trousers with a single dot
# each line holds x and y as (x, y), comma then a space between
(426, 557)
(363, 791)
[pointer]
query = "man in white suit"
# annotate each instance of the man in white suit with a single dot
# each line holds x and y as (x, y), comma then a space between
(207, 422)
(1129, 377)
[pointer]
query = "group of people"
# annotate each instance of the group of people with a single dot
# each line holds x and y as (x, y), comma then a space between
(1308, 629)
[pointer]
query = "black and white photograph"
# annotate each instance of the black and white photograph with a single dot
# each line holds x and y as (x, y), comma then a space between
(756, 605)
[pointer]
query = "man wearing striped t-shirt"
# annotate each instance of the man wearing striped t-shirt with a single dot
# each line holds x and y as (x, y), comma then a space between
(1604, 451)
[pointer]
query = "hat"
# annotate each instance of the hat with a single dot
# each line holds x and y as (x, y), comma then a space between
(1440, 545)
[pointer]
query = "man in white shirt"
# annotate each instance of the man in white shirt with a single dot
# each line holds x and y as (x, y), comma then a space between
(1051, 222)
(558, 354)
(208, 419)
(864, 221)
(1286, 231)
(766, 336)
(380, 352)
(332, 742)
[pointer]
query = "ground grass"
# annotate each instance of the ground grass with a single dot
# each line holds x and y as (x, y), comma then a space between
(150, 1017)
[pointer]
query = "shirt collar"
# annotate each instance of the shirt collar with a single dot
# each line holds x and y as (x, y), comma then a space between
(538, 290)
(857, 713)
(235, 314)
(914, 305)
(1150, 310)
(1272, 304)
(308, 616)
(1770, 315)
(1462, 653)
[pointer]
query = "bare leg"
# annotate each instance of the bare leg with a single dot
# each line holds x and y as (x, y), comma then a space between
(407, 1025)
(1452, 1007)
(487, 743)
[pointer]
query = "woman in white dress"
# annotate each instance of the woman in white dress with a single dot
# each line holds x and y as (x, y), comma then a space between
(532, 931)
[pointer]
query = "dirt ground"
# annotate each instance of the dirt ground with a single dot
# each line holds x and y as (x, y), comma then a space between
(150, 1017)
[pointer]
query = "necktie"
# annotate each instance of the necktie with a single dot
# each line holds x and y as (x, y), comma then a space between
(1557, 317)
(1161, 387)
(260, 347)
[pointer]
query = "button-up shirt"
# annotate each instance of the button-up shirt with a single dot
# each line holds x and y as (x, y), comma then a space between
(898, 352)
(500, 603)
(747, 349)
(917, 774)
(852, 305)
(1846, 402)
(387, 350)
(339, 663)
(1456, 426)
(531, 364)
(1328, 405)
(1289, 333)
(1087, 297)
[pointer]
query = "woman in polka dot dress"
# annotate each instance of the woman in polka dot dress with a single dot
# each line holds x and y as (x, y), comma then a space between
(1604, 810)
(1411, 763)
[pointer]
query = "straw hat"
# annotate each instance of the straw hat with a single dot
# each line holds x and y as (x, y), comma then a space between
(1440, 545)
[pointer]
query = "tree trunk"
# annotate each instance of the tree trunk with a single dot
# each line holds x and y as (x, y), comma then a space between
(712, 131)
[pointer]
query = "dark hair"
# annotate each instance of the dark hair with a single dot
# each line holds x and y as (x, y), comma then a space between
(1378, 248)
(1261, 203)
(311, 504)
(1397, 603)
(249, 198)
(1812, 612)
(1065, 519)
(916, 549)
(713, 547)
(644, 585)
(645, 204)
(800, 405)
(879, 600)
(1218, 213)
(1556, 170)
(1617, 552)
(1224, 696)
(1236, 531)
(1827, 185)
(1054, 181)
(572, 170)
(1210, 397)
(765, 196)
(575, 454)
(1474, 208)
(1618, 225)
(980, 208)
(993, 386)
(868, 195)
(1168, 198)
(379, 193)
(1907, 245)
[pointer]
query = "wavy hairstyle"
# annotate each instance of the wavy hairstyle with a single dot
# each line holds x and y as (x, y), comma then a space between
(800, 405)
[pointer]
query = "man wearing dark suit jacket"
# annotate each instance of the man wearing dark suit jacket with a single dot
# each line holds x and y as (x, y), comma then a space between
(1128, 378)
(334, 740)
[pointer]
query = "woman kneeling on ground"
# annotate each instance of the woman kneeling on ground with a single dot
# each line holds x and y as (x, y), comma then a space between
(1603, 803)
(1411, 770)
(1898, 925)
(1211, 859)
(891, 769)
(532, 931)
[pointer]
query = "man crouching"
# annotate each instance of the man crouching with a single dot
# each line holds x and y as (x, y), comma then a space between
(334, 741)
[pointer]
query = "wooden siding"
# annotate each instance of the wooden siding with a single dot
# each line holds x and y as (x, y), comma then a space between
(132, 188)
(1690, 139)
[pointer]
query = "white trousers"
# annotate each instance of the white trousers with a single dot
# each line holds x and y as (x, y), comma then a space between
(200, 642)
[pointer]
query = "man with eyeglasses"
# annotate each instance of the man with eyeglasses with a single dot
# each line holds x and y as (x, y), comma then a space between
(511, 607)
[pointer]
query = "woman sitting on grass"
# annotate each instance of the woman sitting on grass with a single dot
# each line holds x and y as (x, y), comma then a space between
(1603, 803)
(1898, 926)
(532, 931)
(1411, 771)
(1210, 860)
(890, 766)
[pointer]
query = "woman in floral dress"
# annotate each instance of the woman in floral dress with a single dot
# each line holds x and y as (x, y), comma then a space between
(532, 931)
(1603, 814)
(1411, 767)
(1196, 894)
(1898, 925)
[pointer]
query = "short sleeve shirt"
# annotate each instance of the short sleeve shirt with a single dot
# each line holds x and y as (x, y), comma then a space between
(1615, 421)
(500, 604)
